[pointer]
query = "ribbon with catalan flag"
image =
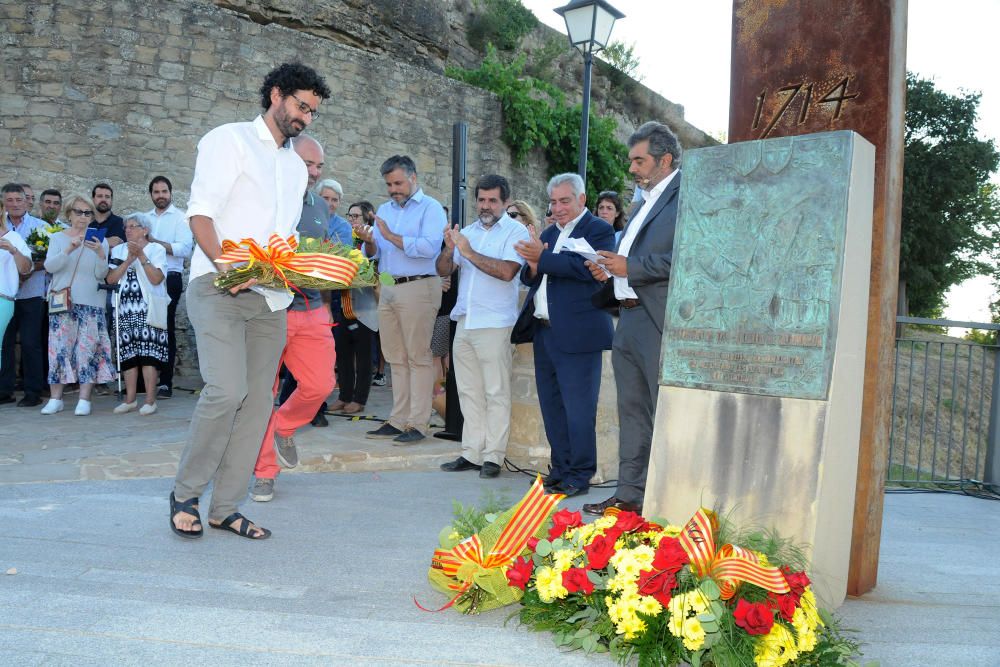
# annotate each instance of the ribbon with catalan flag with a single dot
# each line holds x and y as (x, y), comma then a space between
(474, 571)
(280, 257)
(729, 565)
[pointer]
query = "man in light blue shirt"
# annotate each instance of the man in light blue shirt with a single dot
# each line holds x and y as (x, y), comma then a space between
(406, 240)
(485, 312)
(338, 229)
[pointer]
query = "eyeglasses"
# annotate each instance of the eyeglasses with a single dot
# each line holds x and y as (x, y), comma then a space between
(86, 214)
(353, 215)
(305, 108)
(134, 227)
(514, 214)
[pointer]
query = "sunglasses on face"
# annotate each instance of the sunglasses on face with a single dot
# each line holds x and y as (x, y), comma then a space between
(86, 214)
(514, 214)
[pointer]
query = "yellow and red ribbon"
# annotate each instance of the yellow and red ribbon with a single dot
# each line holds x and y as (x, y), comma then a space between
(729, 565)
(529, 515)
(279, 253)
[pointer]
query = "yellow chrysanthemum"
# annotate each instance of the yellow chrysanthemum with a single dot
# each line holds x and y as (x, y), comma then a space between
(650, 606)
(583, 534)
(562, 559)
(672, 531)
(605, 522)
(776, 648)
(762, 559)
(632, 561)
(631, 627)
(684, 606)
(805, 635)
(693, 634)
(618, 582)
(356, 256)
(808, 604)
(548, 583)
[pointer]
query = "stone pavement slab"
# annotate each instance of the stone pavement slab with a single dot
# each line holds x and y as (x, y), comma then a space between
(102, 580)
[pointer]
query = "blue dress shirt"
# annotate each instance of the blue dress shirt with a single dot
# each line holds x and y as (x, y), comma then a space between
(420, 221)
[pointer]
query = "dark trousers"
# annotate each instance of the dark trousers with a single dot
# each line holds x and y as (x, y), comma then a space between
(568, 386)
(28, 320)
(354, 353)
(175, 285)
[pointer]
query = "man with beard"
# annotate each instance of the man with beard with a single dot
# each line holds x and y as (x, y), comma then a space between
(170, 230)
(406, 240)
(485, 313)
(248, 183)
(309, 352)
(114, 225)
(640, 270)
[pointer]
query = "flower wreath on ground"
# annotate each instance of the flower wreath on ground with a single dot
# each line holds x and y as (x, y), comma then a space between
(665, 595)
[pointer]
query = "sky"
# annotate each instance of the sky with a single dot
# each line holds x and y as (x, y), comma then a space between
(684, 53)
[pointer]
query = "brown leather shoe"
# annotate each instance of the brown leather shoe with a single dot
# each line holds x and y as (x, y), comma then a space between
(598, 509)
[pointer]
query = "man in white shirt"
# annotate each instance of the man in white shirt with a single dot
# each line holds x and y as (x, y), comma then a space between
(640, 270)
(172, 231)
(248, 183)
(485, 311)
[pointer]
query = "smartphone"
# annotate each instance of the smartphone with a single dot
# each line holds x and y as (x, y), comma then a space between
(95, 234)
(548, 211)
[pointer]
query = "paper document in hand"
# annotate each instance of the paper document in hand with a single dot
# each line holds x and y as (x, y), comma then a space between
(584, 249)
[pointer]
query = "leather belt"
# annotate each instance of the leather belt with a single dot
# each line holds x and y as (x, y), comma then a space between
(628, 303)
(544, 322)
(407, 279)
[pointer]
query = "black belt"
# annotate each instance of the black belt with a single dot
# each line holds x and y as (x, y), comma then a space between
(406, 279)
(544, 322)
(628, 303)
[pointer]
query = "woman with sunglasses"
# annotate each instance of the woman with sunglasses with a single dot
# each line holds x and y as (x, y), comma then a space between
(79, 346)
(521, 211)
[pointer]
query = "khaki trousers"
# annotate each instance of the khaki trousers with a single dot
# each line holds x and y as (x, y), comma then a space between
(406, 314)
(483, 359)
(239, 344)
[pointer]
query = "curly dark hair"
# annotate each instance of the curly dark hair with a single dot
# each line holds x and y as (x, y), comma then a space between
(290, 77)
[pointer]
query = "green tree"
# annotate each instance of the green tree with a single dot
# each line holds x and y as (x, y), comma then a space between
(950, 209)
(502, 23)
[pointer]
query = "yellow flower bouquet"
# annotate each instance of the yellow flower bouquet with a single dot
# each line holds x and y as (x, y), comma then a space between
(38, 240)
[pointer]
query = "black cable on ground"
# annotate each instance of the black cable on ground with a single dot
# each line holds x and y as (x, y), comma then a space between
(512, 467)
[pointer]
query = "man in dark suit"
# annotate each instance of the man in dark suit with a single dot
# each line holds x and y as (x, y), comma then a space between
(569, 333)
(640, 270)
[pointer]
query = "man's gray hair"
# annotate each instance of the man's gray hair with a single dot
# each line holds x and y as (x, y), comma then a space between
(142, 219)
(574, 180)
(328, 184)
(661, 141)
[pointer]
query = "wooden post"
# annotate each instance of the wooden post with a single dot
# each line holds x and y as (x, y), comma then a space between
(802, 66)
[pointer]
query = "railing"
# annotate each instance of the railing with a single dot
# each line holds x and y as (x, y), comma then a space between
(945, 403)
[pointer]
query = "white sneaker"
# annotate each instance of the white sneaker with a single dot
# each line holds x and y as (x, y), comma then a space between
(126, 407)
(82, 408)
(147, 409)
(53, 406)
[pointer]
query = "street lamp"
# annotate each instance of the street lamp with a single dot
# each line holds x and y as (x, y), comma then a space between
(588, 24)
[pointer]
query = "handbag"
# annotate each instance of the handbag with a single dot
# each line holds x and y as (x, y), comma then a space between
(60, 300)
(156, 311)
(524, 328)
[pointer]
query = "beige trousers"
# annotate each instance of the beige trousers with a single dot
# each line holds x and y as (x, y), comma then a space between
(406, 314)
(482, 359)
(239, 345)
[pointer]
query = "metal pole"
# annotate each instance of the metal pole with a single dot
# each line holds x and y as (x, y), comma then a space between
(453, 419)
(588, 61)
(991, 474)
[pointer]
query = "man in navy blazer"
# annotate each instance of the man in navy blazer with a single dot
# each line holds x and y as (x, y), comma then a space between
(640, 273)
(569, 333)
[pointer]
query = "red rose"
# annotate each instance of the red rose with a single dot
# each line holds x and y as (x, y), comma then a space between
(599, 552)
(670, 555)
(575, 579)
(797, 581)
(657, 584)
(519, 572)
(562, 520)
(754, 617)
(785, 604)
(629, 521)
(532, 542)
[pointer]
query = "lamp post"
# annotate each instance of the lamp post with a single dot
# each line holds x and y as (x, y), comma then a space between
(588, 24)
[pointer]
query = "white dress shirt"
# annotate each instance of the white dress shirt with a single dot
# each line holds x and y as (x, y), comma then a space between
(36, 285)
(172, 227)
(542, 295)
(622, 289)
(250, 188)
(9, 275)
(485, 301)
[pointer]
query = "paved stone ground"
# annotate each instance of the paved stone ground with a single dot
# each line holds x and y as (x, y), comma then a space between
(101, 580)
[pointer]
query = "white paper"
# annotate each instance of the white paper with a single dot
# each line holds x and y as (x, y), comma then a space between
(584, 249)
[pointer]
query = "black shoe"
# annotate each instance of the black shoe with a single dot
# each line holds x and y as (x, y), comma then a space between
(569, 490)
(6, 398)
(489, 470)
(164, 392)
(551, 484)
(408, 437)
(319, 421)
(459, 464)
(29, 401)
(598, 509)
(386, 430)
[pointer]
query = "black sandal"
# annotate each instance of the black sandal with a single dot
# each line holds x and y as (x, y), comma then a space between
(244, 529)
(187, 507)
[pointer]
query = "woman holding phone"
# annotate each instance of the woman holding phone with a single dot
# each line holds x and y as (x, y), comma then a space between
(79, 347)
